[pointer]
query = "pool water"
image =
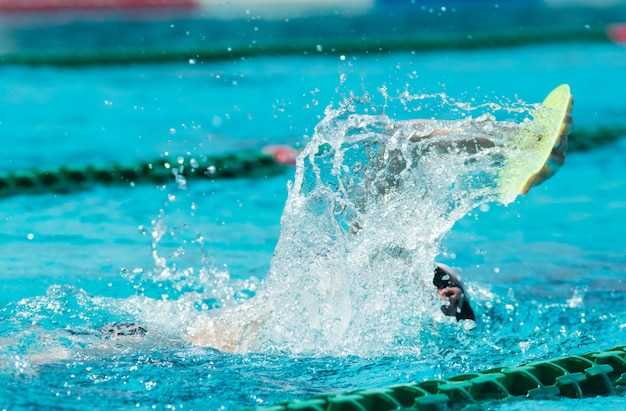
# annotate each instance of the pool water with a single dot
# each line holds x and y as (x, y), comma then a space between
(545, 274)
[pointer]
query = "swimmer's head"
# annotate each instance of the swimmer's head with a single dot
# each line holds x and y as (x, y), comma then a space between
(450, 288)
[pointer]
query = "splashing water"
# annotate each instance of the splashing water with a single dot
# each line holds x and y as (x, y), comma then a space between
(371, 201)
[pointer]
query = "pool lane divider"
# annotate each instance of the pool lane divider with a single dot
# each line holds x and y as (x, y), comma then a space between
(591, 137)
(248, 164)
(217, 51)
(574, 376)
(269, 161)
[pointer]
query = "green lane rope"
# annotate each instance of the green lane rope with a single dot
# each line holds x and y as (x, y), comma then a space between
(69, 179)
(575, 376)
(592, 137)
(250, 164)
(233, 49)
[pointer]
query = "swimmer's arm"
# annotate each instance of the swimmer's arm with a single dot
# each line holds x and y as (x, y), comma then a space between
(424, 130)
(550, 168)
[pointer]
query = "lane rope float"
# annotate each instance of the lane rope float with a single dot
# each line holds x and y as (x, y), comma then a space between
(250, 164)
(575, 376)
(304, 46)
(270, 161)
(588, 138)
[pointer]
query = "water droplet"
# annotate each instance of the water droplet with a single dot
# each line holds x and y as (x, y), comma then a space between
(216, 121)
(180, 179)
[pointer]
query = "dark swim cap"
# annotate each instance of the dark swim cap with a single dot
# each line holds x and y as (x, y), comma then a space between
(446, 278)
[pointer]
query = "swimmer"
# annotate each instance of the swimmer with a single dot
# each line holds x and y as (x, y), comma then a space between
(448, 284)
(237, 330)
(240, 328)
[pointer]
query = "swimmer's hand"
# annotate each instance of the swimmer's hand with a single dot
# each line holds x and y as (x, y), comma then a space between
(555, 161)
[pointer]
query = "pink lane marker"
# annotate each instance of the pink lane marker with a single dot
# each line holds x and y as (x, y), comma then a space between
(282, 154)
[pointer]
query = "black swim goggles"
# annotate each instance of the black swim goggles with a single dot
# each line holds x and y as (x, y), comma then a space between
(444, 279)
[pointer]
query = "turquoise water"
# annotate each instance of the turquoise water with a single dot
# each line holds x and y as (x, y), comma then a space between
(545, 274)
